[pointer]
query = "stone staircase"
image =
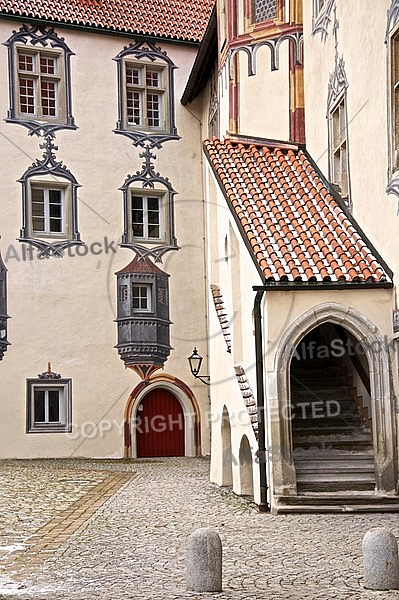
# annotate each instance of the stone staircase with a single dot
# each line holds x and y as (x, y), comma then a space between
(332, 439)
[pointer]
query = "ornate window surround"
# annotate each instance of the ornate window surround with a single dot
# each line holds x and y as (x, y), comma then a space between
(148, 179)
(151, 54)
(55, 171)
(322, 19)
(50, 381)
(337, 93)
(391, 30)
(38, 36)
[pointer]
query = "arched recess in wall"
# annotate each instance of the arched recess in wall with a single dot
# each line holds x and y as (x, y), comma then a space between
(189, 405)
(227, 457)
(246, 468)
(377, 355)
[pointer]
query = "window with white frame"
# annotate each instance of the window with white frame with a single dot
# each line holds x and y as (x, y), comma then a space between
(146, 217)
(395, 101)
(40, 84)
(49, 406)
(49, 205)
(146, 96)
(141, 298)
(338, 147)
(47, 211)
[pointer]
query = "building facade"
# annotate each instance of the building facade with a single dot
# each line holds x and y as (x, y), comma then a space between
(102, 225)
(226, 181)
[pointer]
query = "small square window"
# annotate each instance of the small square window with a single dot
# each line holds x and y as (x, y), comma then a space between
(49, 406)
(49, 207)
(141, 298)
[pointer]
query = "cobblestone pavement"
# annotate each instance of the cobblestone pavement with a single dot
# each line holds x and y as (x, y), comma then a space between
(85, 529)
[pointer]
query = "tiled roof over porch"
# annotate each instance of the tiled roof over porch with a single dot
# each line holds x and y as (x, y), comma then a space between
(297, 230)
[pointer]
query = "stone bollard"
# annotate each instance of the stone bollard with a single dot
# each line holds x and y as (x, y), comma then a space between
(380, 560)
(204, 561)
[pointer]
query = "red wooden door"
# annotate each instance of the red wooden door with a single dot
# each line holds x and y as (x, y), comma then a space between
(160, 425)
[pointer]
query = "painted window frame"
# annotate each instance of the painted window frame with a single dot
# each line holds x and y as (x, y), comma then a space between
(146, 56)
(4, 343)
(394, 100)
(36, 41)
(64, 423)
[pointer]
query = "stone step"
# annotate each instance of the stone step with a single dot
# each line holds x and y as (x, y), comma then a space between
(335, 467)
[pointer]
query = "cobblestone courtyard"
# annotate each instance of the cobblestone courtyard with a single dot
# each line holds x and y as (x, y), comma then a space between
(112, 529)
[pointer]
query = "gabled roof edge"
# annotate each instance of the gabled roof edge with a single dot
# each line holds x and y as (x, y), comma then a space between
(201, 69)
(236, 219)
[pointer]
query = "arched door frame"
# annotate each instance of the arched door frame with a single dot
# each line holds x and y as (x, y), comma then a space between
(383, 418)
(187, 400)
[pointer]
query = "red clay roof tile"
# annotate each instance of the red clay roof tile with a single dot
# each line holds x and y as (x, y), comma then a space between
(297, 230)
(174, 19)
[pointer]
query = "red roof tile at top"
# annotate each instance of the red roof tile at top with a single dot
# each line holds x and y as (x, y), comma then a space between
(174, 19)
(295, 227)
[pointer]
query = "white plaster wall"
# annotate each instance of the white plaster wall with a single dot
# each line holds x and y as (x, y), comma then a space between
(361, 43)
(225, 390)
(63, 310)
(264, 97)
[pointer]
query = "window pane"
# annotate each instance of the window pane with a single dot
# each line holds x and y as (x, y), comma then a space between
(140, 297)
(153, 218)
(134, 103)
(55, 210)
(137, 216)
(153, 110)
(48, 65)
(26, 62)
(263, 10)
(53, 405)
(48, 95)
(27, 95)
(39, 415)
(152, 78)
(133, 76)
(38, 221)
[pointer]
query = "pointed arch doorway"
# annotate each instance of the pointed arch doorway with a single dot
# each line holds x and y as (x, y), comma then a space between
(376, 357)
(331, 413)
